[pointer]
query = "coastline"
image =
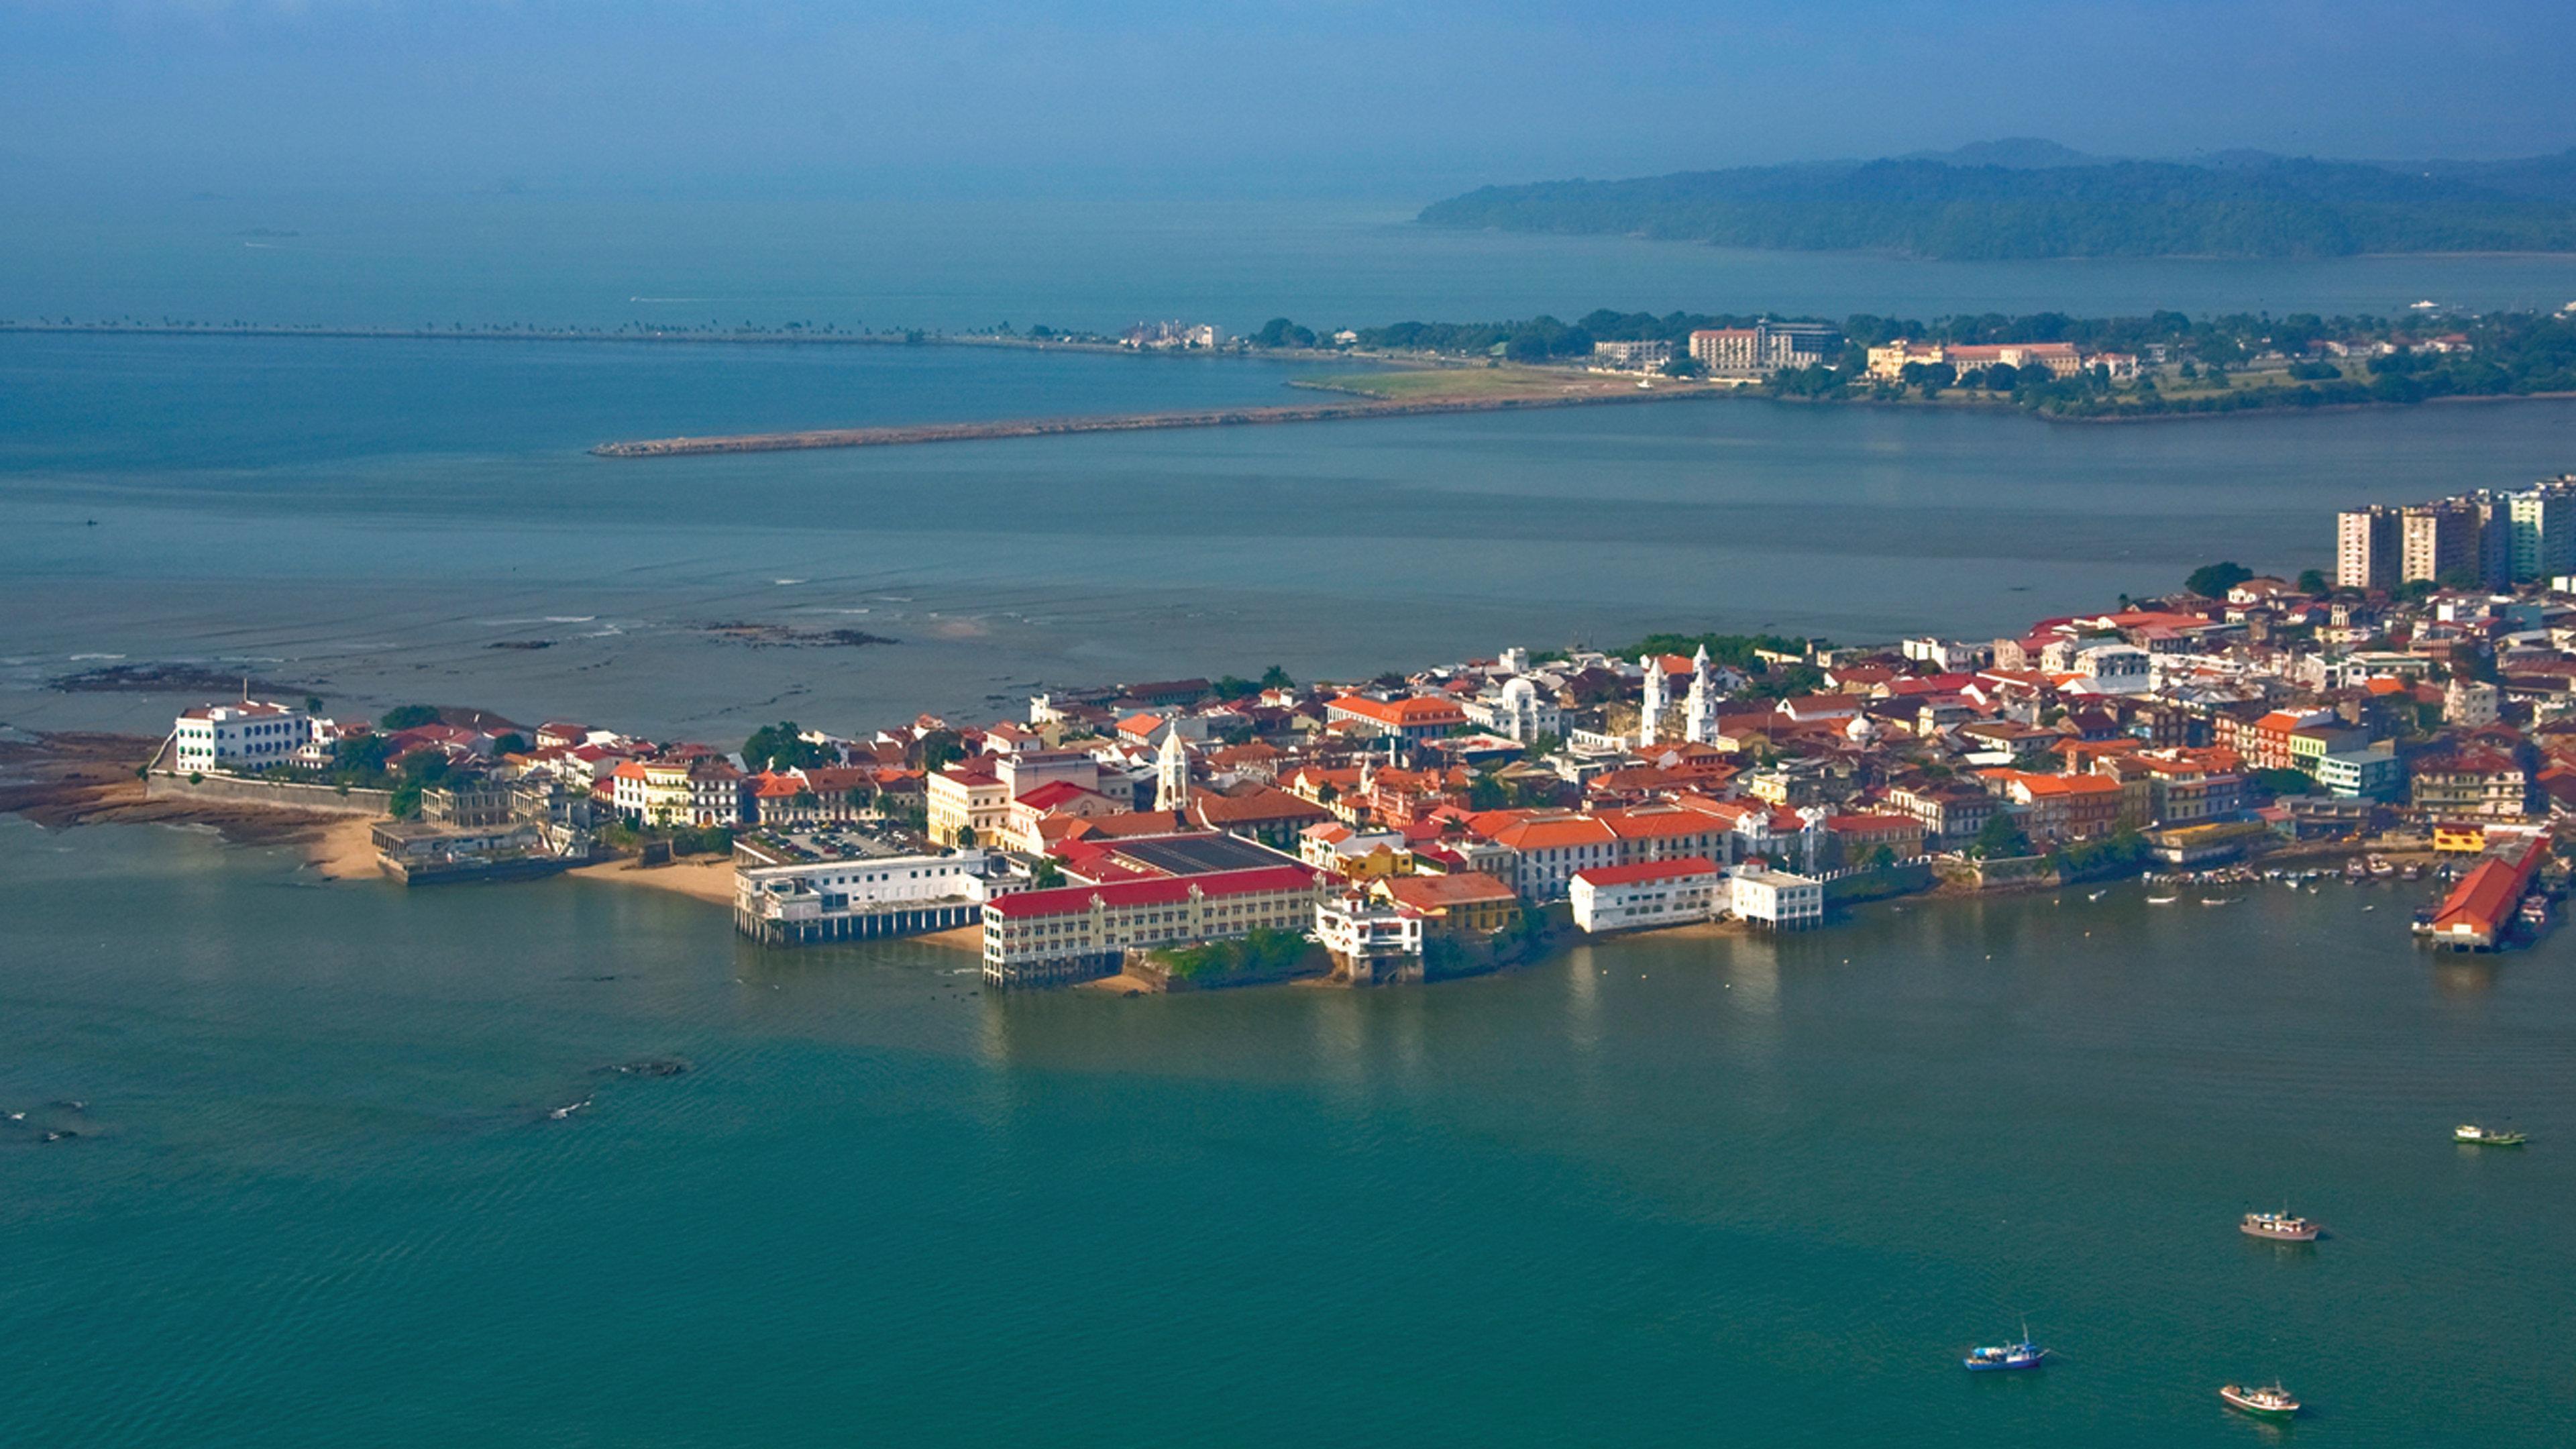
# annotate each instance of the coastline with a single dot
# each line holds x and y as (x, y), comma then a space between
(80, 778)
(700, 878)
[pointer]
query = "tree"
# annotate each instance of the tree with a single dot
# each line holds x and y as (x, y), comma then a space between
(2212, 581)
(1544, 744)
(2462, 577)
(1233, 687)
(312, 704)
(965, 837)
(409, 716)
(782, 746)
(1684, 365)
(1275, 677)
(939, 749)
(1486, 793)
(1280, 332)
(1048, 875)
(2001, 838)
(363, 756)
(2278, 782)
(2314, 581)
(513, 743)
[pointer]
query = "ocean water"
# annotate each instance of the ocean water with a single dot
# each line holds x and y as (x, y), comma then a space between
(1657, 1191)
(367, 518)
(951, 264)
(1646, 1192)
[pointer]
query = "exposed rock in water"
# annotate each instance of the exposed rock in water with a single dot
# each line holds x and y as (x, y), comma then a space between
(645, 1067)
(783, 636)
(169, 679)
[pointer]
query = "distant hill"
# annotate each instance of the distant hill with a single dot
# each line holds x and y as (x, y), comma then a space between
(2029, 198)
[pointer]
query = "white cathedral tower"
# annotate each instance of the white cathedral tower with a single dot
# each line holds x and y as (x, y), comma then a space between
(1653, 712)
(1172, 774)
(1699, 711)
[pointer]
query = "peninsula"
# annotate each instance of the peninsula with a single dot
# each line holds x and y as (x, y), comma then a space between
(2414, 705)
(2048, 365)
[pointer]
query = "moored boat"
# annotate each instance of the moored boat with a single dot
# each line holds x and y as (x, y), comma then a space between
(2472, 1135)
(2267, 1403)
(2280, 1227)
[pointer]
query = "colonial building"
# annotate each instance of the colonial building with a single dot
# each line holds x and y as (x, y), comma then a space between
(250, 735)
(1077, 933)
(1670, 892)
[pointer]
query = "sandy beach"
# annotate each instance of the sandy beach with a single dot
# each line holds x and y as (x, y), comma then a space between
(960, 938)
(706, 878)
(344, 848)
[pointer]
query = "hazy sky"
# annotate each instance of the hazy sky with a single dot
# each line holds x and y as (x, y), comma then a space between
(1328, 96)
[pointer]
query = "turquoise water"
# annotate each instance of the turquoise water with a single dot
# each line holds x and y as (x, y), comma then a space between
(1654, 1192)
(1674, 1191)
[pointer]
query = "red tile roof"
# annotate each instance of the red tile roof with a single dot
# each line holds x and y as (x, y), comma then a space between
(1075, 900)
(1442, 892)
(1412, 712)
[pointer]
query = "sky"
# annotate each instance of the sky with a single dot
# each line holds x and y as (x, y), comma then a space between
(1411, 98)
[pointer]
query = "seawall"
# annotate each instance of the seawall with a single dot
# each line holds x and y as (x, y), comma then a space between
(1114, 423)
(270, 794)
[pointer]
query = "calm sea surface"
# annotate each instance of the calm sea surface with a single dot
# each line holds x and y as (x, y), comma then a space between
(1656, 1192)
(1669, 1191)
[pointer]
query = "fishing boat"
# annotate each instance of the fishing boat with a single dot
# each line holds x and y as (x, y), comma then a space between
(2280, 1227)
(2218, 900)
(1997, 1357)
(2162, 900)
(2272, 1403)
(2472, 1135)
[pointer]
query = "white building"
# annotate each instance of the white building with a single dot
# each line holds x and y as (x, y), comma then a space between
(1761, 349)
(1370, 940)
(1672, 892)
(2470, 704)
(1775, 898)
(1632, 356)
(1519, 712)
(2115, 668)
(250, 735)
(849, 899)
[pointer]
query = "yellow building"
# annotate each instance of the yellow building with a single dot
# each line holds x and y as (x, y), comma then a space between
(969, 796)
(2463, 838)
(1464, 904)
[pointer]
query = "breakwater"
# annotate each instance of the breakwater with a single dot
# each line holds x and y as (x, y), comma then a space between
(1114, 423)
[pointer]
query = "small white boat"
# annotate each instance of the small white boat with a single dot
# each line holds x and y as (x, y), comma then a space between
(2270, 1403)
(2162, 900)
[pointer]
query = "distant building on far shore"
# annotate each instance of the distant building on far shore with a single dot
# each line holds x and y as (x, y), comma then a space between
(1159, 335)
(1643, 356)
(1763, 348)
(1888, 363)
